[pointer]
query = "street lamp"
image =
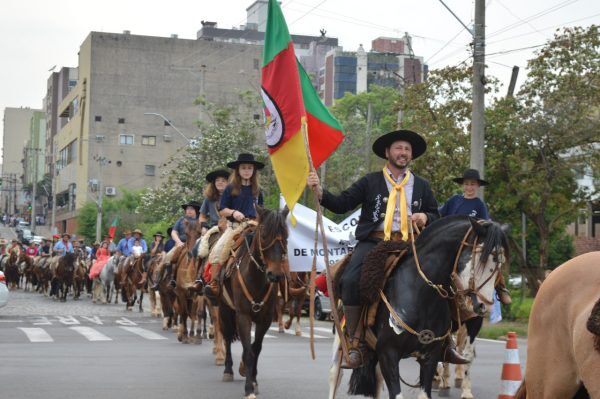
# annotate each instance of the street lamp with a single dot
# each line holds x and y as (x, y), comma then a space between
(169, 122)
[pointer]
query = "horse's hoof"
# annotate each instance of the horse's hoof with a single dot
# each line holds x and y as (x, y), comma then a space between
(255, 384)
(467, 395)
(458, 382)
(444, 392)
(220, 362)
(251, 396)
(298, 333)
(211, 336)
(281, 330)
(227, 377)
(242, 369)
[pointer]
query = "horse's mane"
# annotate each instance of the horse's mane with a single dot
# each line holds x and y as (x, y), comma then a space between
(273, 224)
(494, 235)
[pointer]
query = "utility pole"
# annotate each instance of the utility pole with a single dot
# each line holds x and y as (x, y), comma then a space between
(477, 116)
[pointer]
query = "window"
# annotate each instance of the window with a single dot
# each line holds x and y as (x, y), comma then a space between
(98, 118)
(148, 140)
(126, 139)
(149, 170)
(67, 155)
(256, 117)
(121, 120)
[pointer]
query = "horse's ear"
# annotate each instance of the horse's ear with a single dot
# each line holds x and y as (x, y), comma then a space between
(285, 211)
(260, 211)
(479, 228)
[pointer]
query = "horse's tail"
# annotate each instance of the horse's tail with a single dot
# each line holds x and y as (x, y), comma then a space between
(363, 380)
(593, 324)
(522, 391)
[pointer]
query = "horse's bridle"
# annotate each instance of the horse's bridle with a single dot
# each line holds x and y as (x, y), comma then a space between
(257, 306)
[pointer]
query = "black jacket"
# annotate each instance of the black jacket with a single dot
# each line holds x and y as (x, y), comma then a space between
(371, 192)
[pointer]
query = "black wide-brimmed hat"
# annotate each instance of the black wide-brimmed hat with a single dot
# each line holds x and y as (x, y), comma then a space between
(472, 174)
(193, 204)
(158, 233)
(417, 142)
(66, 234)
(245, 158)
(212, 176)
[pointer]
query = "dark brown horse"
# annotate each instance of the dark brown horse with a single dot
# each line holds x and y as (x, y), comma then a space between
(249, 295)
(79, 274)
(131, 282)
(292, 296)
(11, 271)
(26, 264)
(63, 279)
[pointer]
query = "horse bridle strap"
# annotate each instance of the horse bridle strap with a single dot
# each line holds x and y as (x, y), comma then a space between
(425, 337)
(256, 306)
(438, 287)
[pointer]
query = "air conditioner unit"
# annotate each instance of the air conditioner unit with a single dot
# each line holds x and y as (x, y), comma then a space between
(110, 191)
(167, 137)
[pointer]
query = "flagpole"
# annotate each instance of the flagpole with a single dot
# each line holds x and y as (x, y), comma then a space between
(319, 222)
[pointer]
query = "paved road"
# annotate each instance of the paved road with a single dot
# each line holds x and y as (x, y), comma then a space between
(54, 350)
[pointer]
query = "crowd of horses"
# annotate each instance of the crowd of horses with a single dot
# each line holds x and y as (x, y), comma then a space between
(257, 282)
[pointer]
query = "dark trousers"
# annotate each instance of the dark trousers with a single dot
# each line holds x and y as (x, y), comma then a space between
(350, 283)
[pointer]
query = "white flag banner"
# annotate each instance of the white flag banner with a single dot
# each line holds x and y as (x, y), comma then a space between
(301, 241)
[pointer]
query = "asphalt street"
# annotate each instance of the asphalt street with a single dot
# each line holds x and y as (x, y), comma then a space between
(54, 350)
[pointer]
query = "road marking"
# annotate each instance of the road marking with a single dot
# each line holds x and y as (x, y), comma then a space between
(266, 335)
(36, 334)
(68, 320)
(41, 321)
(125, 322)
(91, 334)
(94, 319)
(142, 332)
(304, 335)
(11, 321)
(322, 329)
(496, 341)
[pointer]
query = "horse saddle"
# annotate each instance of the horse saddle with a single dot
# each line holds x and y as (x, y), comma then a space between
(238, 240)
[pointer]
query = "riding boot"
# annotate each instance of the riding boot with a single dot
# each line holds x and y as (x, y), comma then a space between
(213, 290)
(450, 354)
(503, 294)
(353, 330)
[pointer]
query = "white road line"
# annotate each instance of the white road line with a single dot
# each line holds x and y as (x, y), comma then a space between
(266, 335)
(496, 341)
(11, 321)
(36, 334)
(91, 334)
(142, 332)
(322, 329)
(290, 332)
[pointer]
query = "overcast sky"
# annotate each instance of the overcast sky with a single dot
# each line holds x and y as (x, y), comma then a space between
(36, 35)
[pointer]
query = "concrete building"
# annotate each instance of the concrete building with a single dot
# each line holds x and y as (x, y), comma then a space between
(310, 50)
(389, 63)
(17, 127)
(59, 84)
(107, 143)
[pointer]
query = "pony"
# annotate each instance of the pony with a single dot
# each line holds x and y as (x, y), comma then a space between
(187, 270)
(563, 344)
(414, 316)
(153, 295)
(249, 294)
(63, 277)
(79, 274)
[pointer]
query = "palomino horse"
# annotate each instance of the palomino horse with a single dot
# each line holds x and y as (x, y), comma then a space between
(131, 282)
(187, 270)
(249, 295)
(420, 286)
(563, 345)
(63, 278)
(295, 291)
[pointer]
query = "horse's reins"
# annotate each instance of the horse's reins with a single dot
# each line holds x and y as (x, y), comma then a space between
(257, 306)
(427, 336)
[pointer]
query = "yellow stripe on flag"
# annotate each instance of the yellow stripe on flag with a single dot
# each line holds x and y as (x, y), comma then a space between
(290, 164)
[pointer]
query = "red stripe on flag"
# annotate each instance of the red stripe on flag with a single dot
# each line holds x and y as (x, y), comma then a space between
(322, 139)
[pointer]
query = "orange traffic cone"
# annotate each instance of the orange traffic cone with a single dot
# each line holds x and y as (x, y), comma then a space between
(511, 369)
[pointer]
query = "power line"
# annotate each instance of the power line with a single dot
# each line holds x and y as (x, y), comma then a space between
(444, 45)
(516, 49)
(308, 12)
(519, 18)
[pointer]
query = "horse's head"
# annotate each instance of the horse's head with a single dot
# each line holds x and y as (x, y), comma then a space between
(193, 231)
(271, 236)
(68, 261)
(482, 264)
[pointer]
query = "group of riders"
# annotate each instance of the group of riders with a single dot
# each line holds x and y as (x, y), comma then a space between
(392, 201)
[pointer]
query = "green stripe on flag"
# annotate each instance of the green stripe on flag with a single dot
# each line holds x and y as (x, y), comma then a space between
(277, 36)
(312, 102)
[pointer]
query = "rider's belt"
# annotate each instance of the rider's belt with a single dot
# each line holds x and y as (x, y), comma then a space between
(380, 235)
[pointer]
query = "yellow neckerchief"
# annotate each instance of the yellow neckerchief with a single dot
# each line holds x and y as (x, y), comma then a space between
(397, 188)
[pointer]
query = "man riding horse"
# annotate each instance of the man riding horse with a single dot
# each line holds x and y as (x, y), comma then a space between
(390, 200)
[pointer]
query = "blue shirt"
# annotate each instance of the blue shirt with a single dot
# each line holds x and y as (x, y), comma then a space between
(459, 205)
(243, 203)
(169, 244)
(62, 249)
(124, 247)
(142, 243)
(179, 227)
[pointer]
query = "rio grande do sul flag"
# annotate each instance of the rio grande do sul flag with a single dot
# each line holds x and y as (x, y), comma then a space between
(282, 95)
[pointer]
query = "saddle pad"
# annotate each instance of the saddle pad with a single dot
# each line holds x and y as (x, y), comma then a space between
(377, 264)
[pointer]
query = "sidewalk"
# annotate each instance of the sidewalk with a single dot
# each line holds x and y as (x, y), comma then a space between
(7, 232)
